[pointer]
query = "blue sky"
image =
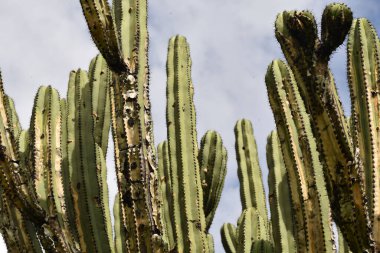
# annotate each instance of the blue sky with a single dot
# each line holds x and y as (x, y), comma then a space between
(232, 43)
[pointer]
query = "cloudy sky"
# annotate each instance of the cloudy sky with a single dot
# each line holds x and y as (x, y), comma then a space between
(232, 43)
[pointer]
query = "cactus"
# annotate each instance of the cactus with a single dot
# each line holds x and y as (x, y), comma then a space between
(347, 151)
(122, 38)
(53, 191)
(251, 183)
(253, 224)
(191, 180)
(305, 176)
(213, 167)
(282, 218)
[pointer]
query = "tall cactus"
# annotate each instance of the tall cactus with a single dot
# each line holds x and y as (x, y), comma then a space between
(348, 154)
(187, 198)
(363, 68)
(253, 224)
(311, 207)
(191, 180)
(122, 38)
(282, 218)
(249, 171)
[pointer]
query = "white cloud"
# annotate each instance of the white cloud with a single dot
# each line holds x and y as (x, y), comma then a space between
(232, 42)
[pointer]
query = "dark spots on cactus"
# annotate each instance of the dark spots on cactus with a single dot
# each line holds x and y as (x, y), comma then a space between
(131, 122)
(130, 10)
(42, 136)
(133, 165)
(78, 186)
(127, 200)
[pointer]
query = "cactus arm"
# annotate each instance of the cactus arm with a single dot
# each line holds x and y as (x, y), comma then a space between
(311, 205)
(308, 58)
(65, 172)
(102, 28)
(18, 233)
(245, 233)
(251, 189)
(13, 117)
(47, 157)
(363, 67)
(262, 246)
(279, 198)
(102, 175)
(210, 241)
(73, 159)
(252, 227)
(229, 237)
(120, 235)
(213, 167)
(89, 194)
(100, 78)
(189, 219)
(166, 189)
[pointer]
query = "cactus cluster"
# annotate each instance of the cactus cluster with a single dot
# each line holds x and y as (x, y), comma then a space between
(323, 167)
(54, 194)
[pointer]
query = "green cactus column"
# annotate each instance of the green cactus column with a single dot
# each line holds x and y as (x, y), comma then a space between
(308, 57)
(305, 173)
(213, 168)
(86, 162)
(282, 218)
(187, 196)
(251, 184)
(363, 70)
(122, 38)
(164, 173)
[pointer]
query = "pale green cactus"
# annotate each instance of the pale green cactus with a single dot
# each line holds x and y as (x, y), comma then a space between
(191, 180)
(348, 151)
(310, 204)
(283, 224)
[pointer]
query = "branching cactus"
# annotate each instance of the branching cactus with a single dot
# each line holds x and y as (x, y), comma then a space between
(348, 154)
(253, 225)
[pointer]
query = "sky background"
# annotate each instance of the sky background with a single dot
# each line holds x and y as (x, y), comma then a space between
(231, 42)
